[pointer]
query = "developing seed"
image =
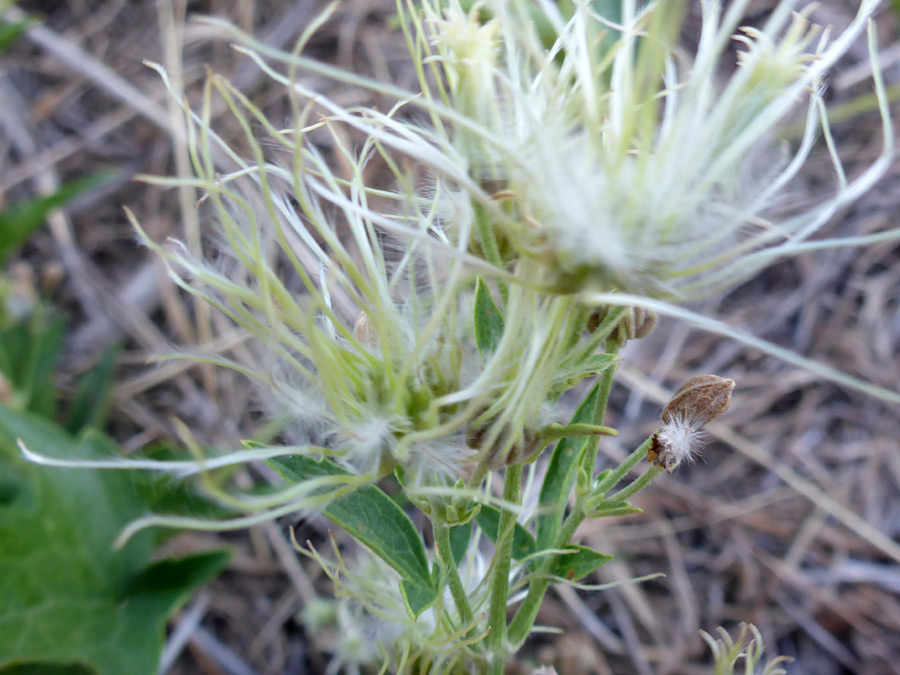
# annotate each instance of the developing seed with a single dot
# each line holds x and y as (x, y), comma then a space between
(697, 402)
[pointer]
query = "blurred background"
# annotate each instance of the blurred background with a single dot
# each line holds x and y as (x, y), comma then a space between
(790, 520)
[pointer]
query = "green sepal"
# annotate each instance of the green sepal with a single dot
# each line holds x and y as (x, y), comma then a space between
(582, 482)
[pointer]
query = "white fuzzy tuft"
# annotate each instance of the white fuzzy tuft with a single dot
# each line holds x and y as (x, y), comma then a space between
(679, 441)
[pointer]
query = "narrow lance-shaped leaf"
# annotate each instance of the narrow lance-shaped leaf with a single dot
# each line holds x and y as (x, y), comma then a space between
(561, 474)
(488, 320)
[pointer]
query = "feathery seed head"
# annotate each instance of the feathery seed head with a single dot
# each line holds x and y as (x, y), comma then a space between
(621, 162)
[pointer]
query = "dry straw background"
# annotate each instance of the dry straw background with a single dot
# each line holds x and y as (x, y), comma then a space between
(791, 518)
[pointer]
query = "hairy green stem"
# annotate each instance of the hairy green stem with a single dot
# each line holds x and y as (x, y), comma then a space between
(525, 616)
(606, 381)
(496, 640)
(633, 488)
(620, 471)
(442, 538)
(522, 622)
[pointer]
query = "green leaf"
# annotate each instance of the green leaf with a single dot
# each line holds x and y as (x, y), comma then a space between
(561, 472)
(417, 597)
(45, 669)
(489, 521)
(488, 320)
(66, 597)
(375, 520)
(21, 219)
(578, 564)
(459, 540)
(29, 352)
(167, 584)
(91, 401)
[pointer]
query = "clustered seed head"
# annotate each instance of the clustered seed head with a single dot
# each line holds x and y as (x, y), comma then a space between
(697, 402)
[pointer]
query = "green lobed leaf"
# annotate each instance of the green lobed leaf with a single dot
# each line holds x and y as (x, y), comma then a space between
(561, 472)
(489, 521)
(67, 598)
(578, 564)
(488, 320)
(374, 519)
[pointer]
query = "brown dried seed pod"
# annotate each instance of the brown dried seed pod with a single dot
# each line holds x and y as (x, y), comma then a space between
(636, 323)
(699, 401)
(645, 321)
(595, 319)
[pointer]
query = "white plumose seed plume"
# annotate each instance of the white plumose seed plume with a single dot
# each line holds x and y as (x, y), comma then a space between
(627, 165)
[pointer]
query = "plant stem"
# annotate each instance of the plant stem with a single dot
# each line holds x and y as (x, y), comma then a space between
(522, 622)
(525, 616)
(442, 537)
(619, 472)
(496, 640)
(606, 381)
(634, 487)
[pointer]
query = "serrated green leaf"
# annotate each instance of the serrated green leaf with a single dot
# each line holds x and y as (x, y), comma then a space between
(488, 520)
(66, 597)
(578, 564)
(488, 320)
(561, 472)
(375, 520)
(21, 219)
